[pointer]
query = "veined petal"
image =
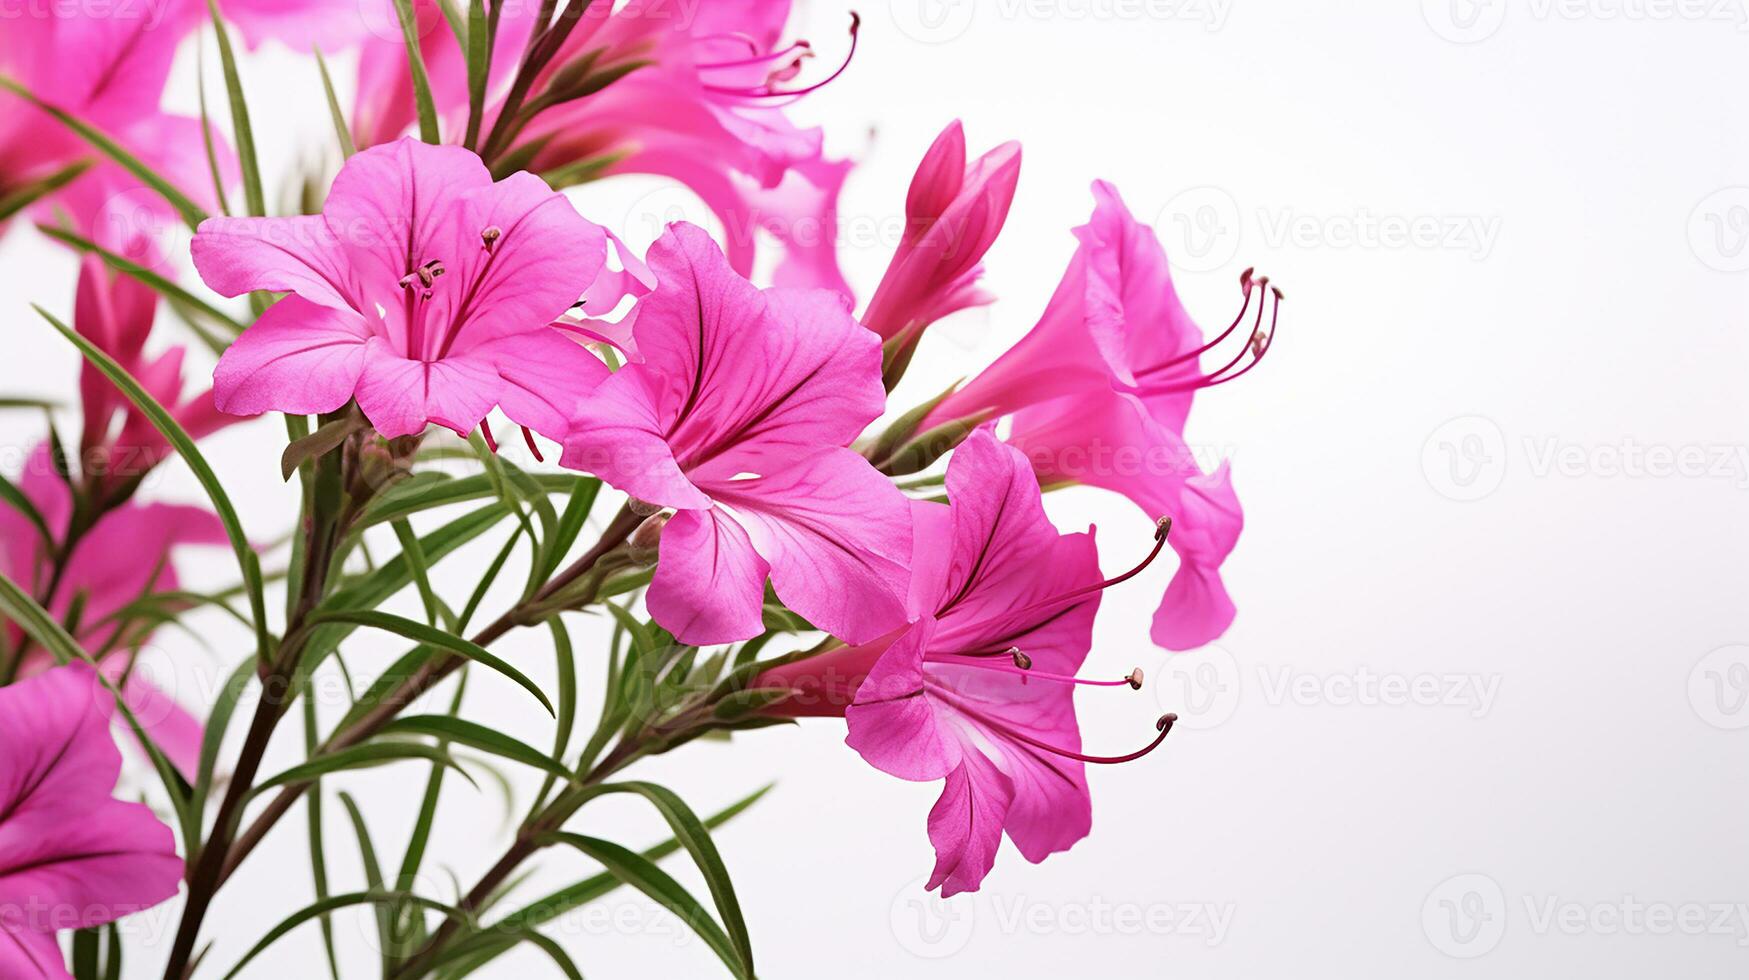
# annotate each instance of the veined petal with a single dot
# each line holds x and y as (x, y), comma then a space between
(298, 357)
(546, 378)
(284, 255)
(892, 722)
(709, 585)
(966, 824)
(401, 395)
(837, 535)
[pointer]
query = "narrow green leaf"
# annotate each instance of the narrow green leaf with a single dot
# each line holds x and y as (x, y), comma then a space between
(422, 493)
(476, 736)
(206, 132)
(642, 874)
(159, 284)
(213, 736)
(414, 630)
(253, 198)
(318, 850)
(567, 673)
(373, 877)
(334, 903)
(577, 510)
(486, 580)
(15, 498)
(366, 756)
(421, 571)
(416, 67)
(174, 434)
(482, 33)
(191, 213)
(692, 834)
(414, 855)
(342, 132)
(24, 197)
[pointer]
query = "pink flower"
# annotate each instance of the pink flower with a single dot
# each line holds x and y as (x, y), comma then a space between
(738, 418)
(701, 105)
(1100, 390)
(108, 70)
(978, 690)
(115, 312)
(71, 855)
(123, 557)
(423, 289)
(953, 214)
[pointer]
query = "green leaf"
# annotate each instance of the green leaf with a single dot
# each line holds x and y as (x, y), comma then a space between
(414, 855)
(318, 852)
(416, 66)
(319, 443)
(478, 737)
(414, 630)
(695, 837)
(482, 33)
(174, 434)
(23, 197)
(570, 524)
(366, 756)
(639, 872)
(15, 498)
(421, 494)
(341, 131)
(373, 877)
(486, 945)
(567, 673)
(206, 132)
(191, 213)
(327, 905)
(421, 571)
(244, 133)
(158, 283)
(213, 736)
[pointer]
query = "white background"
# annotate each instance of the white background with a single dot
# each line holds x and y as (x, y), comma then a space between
(1535, 569)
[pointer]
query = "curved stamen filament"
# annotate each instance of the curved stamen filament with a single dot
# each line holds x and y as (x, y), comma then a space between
(767, 92)
(486, 433)
(1162, 528)
(1256, 346)
(1162, 727)
(1245, 284)
(983, 662)
(528, 437)
(757, 58)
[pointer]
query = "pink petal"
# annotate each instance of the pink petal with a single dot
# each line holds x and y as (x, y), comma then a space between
(965, 824)
(618, 437)
(1196, 608)
(709, 585)
(838, 537)
(546, 377)
(299, 255)
(298, 357)
(63, 839)
(1000, 528)
(27, 954)
(401, 395)
(892, 722)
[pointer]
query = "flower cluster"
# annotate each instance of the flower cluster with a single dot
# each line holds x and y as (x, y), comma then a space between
(773, 495)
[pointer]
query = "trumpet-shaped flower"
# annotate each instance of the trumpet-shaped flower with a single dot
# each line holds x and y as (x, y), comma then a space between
(953, 213)
(423, 289)
(1099, 392)
(122, 558)
(737, 417)
(978, 689)
(71, 855)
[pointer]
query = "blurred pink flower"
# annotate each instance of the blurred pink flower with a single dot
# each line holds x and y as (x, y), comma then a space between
(953, 214)
(738, 417)
(71, 855)
(1099, 392)
(115, 312)
(423, 289)
(978, 690)
(701, 106)
(124, 556)
(108, 70)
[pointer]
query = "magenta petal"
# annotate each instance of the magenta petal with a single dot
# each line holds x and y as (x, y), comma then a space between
(619, 438)
(892, 722)
(298, 357)
(965, 824)
(1196, 608)
(284, 255)
(400, 395)
(27, 954)
(546, 377)
(65, 842)
(709, 585)
(838, 537)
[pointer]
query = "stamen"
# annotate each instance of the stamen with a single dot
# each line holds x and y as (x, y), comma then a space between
(528, 437)
(490, 236)
(1021, 660)
(1163, 726)
(766, 91)
(486, 433)
(1256, 345)
(1135, 679)
(1162, 528)
(757, 58)
(1025, 671)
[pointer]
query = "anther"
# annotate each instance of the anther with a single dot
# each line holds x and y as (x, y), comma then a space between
(490, 236)
(1162, 528)
(1021, 660)
(1135, 679)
